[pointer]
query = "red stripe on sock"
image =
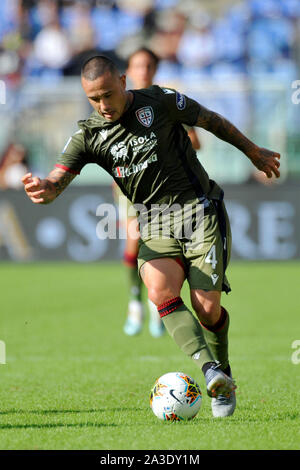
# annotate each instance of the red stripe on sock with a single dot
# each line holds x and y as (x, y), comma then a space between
(168, 302)
(169, 306)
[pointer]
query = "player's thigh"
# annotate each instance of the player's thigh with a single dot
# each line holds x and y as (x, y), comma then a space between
(163, 278)
(161, 265)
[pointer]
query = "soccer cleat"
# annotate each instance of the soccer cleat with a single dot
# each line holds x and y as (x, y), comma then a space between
(135, 318)
(156, 326)
(218, 383)
(223, 406)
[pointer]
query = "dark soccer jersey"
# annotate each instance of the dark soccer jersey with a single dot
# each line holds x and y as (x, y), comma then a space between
(147, 151)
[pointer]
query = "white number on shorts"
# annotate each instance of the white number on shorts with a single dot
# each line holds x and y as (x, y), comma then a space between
(211, 257)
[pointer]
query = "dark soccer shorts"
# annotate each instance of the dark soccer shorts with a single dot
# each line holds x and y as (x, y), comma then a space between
(201, 253)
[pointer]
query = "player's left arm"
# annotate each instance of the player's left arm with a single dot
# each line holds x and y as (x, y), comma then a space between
(264, 159)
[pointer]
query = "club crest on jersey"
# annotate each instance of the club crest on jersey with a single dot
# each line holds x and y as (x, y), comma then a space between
(180, 101)
(145, 116)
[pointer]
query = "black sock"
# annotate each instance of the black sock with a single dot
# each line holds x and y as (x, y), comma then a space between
(227, 371)
(207, 366)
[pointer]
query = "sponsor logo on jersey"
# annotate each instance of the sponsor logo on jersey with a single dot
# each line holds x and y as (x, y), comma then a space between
(145, 116)
(137, 145)
(180, 101)
(119, 152)
(143, 143)
(119, 171)
(125, 171)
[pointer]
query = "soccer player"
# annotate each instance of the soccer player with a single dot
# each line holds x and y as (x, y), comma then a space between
(141, 69)
(137, 136)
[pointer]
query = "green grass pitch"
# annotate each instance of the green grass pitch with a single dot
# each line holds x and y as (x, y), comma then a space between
(73, 380)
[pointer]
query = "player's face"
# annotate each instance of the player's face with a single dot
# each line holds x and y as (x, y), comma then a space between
(107, 95)
(141, 70)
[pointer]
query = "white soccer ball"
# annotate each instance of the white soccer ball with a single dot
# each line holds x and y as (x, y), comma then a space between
(175, 396)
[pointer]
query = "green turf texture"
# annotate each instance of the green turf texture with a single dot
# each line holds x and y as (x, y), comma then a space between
(73, 380)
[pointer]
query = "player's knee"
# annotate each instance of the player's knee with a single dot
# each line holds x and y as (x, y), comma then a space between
(159, 295)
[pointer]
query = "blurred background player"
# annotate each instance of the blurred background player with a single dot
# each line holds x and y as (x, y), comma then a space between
(141, 69)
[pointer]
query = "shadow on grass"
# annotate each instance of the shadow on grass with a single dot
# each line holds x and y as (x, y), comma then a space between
(63, 412)
(55, 411)
(56, 425)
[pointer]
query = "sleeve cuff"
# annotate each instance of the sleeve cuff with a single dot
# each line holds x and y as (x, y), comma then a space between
(66, 168)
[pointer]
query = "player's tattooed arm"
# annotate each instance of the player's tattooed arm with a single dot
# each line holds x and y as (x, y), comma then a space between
(264, 159)
(60, 179)
(46, 190)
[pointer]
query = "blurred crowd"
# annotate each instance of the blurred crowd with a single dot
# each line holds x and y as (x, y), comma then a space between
(195, 40)
(51, 38)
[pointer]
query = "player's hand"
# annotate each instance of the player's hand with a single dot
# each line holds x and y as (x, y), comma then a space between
(33, 188)
(266, 160)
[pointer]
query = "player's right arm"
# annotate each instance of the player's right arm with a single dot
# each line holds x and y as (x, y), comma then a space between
(187, 111)
(44, 191)
(265, 160)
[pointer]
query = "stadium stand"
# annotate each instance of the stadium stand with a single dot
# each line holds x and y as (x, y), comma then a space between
(240, 58)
